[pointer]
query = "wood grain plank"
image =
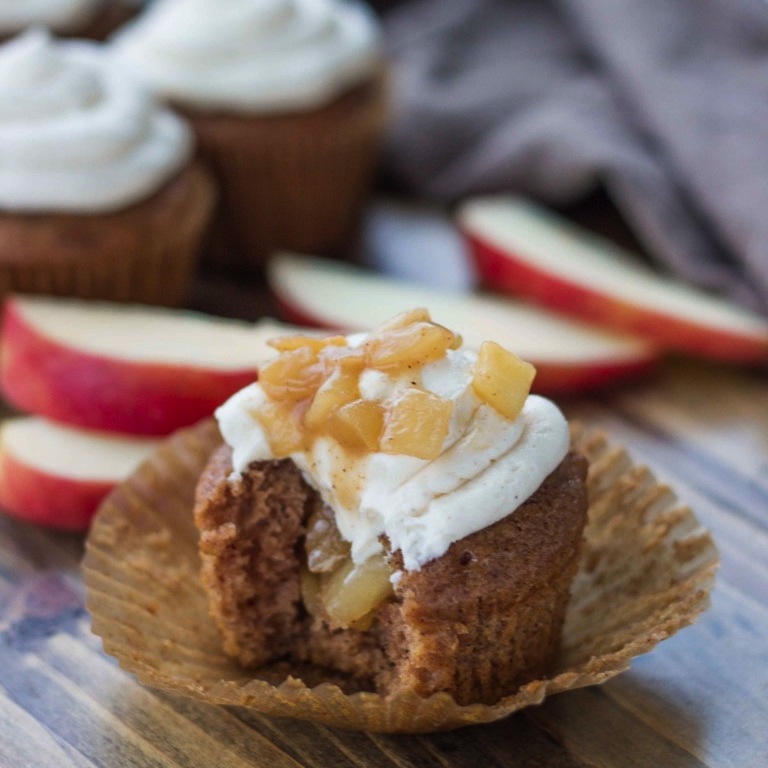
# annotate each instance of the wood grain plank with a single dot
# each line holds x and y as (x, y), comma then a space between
(304, 742)
(724, 484)
(519, 741)
(229, 729)
(453, 750)
(718, 410)
(599, 734)
(30, 547)
(187, 741)
(707, 690)
(73, 716)
(26, 743)
(362, 749)
(404, 751)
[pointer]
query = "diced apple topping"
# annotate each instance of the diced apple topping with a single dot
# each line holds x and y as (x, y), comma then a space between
(358, 425)
(336, 391)
(294, 375)
(501, 379)
(313, 388)
(289, 343)
(409, 317)
(316, 381)
(411, 347)
(417, 424)
(346, 358)
(282, 424)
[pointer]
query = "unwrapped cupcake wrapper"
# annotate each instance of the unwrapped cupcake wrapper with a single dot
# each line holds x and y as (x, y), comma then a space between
(145, 254)
(291, 182)
(646, 571)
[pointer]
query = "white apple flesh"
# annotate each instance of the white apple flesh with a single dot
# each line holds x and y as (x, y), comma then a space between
(525, 251)
(58, 476)
(569, 357)
(130, 369)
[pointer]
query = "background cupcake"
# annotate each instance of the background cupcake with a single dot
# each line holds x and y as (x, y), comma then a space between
(98, 196)
(78, 18)
(287, 100)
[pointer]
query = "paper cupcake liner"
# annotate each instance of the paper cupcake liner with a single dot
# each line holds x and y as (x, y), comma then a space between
(291, 182)
(646, 572)
(147, 253)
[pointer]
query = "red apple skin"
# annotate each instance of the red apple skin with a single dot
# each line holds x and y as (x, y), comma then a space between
(36, 496)
(552, 379)
(504, 271)
(42, 376)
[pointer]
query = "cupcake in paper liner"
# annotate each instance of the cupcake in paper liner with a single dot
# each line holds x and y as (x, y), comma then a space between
(253, 622)
(288, 103)
(99, 194)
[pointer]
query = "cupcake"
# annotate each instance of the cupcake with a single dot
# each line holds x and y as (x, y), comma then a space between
(99, 195)
(93, 19)
(287, 100)
(396, 509)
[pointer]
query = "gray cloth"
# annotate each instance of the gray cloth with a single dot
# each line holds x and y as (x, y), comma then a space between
(662, 102)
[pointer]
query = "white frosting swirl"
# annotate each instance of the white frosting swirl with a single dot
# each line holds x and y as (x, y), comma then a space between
(59, 15)
(259, 56)
(77, 133)
(489, 465)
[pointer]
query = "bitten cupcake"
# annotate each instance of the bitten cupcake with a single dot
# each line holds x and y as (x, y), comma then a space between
(388, 538)
(99, 197)
(396, 508)
(287, 99)
(75, 18)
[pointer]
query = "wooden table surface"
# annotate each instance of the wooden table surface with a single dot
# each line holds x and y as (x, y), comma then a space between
(698, 699)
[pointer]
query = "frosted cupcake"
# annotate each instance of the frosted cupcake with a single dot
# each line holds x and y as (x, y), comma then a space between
(397, 508)
(99, 197)
(287, 100)
(78, 18)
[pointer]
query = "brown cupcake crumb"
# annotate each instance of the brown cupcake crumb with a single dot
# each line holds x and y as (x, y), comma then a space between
(476, 623)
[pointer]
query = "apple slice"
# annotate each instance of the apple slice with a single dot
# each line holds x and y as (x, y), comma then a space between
(131, 369)
(569, 356)
(526, 251)
(58, 476)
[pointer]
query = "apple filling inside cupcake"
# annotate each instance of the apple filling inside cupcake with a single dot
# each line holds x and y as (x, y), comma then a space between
(333, 586)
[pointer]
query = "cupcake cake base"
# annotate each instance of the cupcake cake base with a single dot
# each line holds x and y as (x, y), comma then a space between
(147, 253)
(291, 182)
(477, 622)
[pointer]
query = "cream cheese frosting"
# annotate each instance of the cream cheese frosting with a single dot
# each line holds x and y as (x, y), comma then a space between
(260, 56)
(487, 467)
(59, 15)
(77, 133)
